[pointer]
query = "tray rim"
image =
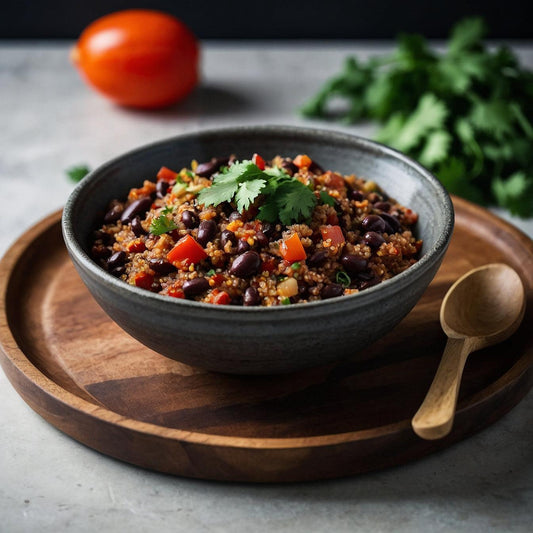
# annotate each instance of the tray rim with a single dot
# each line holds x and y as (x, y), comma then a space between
(12, 354)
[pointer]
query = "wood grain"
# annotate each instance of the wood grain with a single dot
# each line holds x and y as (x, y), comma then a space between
(87, 377)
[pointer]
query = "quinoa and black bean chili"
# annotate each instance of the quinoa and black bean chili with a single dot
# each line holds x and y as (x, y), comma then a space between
(256, 233)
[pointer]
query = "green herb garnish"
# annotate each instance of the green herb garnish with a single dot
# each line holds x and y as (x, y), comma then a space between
(327, 198)
(466, 114)
(285, 301)
(162, 224)
(342, 278)
(78, 172)
(285, 198)
(296, 266)
(210, 273)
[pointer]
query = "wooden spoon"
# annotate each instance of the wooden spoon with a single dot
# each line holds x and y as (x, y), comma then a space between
(482, 308)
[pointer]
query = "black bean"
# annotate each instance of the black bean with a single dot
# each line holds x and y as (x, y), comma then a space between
(206, 232)
(245, 264)
(331, 290)
(261, 238)
(374, 223)
(99, 251)
(235, 215)
(382, 206)
(189, 219)
(355, 195)
(207, 169)
(117, 259)
(370, 283)
(303, 290)
(354, 263)
(161, 188)
(373, 239)
(118, 271)
(242, 246)
(100, 235)
(289, 167)
(137, 207)
(137, 227)
(195, 287)
(114, 214)
(227, 236)
(392, 221)
(315, 168)
(251, 297)
(318, 258)
(161, 266)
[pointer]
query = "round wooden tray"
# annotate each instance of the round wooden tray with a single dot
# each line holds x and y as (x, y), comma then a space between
(88, 378)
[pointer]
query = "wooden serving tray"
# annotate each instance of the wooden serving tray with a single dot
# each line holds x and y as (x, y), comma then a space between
(88, 378)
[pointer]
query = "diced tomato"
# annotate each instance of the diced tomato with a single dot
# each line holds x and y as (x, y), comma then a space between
(144, 280)
(334, 233)
(175, 292)
(165, 174)
(186, 251)
(302, 161)
(217, 280)
(258, 161)
(136, 246)
(269, 265)
(292, 249)
(334, 181)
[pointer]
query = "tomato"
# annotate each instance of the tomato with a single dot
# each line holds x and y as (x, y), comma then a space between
(138, 58)
(333, 233)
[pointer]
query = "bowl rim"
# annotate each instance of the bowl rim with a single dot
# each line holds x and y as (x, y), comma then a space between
(392, 286)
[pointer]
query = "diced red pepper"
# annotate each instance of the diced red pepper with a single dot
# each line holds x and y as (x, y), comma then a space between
(186, 251)
(302, 161)
(175, 292)
(222, 298)
(334, 233)
(292, 249)
(136, 246)
(258, 161)
(165, 174)
(144, 280)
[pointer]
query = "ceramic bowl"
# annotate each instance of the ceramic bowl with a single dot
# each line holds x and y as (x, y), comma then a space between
(254, 340)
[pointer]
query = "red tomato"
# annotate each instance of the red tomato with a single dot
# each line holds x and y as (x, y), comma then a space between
(138, 58)
(292, 249)
(334, 233)
(185, 252)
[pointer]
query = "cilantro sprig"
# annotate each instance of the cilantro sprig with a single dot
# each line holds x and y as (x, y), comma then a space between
(163, 224)
(285, 198)
(466, 114)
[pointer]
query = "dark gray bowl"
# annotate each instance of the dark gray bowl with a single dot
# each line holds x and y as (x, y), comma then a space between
(251, 340)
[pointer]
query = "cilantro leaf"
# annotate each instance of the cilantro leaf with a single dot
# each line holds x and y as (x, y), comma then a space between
(326, 198)
(466, 113)
(248, 192)
(220, 191)
(295, 202)
(78, 172)
(162, 224)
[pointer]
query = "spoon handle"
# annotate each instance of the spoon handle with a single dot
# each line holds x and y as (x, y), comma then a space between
(434, 418)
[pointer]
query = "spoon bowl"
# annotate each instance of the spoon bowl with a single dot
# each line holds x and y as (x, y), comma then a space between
(482, 308)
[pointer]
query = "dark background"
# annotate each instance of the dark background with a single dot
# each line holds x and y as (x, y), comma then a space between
(286, 19)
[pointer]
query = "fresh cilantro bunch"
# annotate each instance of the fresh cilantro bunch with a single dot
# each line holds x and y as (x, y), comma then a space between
(466, 114)
(284, 198)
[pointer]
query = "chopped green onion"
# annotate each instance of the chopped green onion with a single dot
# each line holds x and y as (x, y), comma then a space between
(210, 272)
(296, 266)
(343, 278)
(286, 301)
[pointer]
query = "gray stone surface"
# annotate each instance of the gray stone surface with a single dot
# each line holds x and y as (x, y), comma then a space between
(49, 482)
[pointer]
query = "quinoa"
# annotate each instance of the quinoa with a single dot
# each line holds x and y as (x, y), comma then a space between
(162, 239)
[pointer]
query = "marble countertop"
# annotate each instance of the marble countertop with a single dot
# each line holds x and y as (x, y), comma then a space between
(49, 482)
